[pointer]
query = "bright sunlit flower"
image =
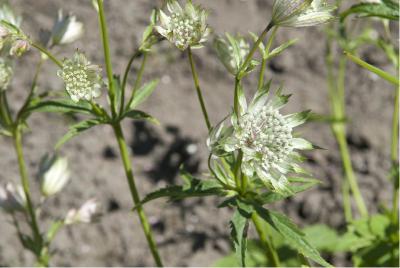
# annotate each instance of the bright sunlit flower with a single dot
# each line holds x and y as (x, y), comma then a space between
(12, 199)
(184, 27)
(87, 213)
(266, 139)
(301, 13)
(82, 79)
(54, 175)
(6, 73)
(66, 29)
(232, 52)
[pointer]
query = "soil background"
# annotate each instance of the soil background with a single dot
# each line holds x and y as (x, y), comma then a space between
(191, 232)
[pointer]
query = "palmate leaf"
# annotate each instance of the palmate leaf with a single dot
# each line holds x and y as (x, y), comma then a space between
(192, 187)
(387, 9)
(77, 129)
(291, 234)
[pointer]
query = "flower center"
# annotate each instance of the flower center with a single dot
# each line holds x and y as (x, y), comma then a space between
(185, 29)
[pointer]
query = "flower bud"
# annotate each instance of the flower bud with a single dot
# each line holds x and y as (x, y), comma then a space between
(66, 29)
(87, 213)
(6, 73)
(301, 13)
(54, 175)
(12, 199)
(19, 47)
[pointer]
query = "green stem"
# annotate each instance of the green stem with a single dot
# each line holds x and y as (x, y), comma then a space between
(265, 240)
(4, 110)
(138, 80)
(346, 201)
(135, 194)
(395, 157)
(25, 185)
(47, 53)
(265, 58)
(125, 79)
(237, 171)
(107, 56)
(198, 89)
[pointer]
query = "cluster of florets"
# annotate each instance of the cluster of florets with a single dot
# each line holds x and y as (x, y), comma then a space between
(82, 79)
(184, 27)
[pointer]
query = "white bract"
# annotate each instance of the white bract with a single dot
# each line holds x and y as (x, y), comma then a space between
(82, 79)
(66, 29)
(6, 73)
(266, 139)
(87, 213)
(184, 27)
(232, 52)
(301, 13)
(54, 175)
(12, 199)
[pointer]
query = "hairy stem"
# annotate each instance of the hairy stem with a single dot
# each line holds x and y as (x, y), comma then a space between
(265, 240)
(135, 194)
(198, 89)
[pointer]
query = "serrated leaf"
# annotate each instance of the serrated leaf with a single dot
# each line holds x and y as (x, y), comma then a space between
(76, 129)
(239, 226)
(140, 115)
(291, 233)
(143, 93)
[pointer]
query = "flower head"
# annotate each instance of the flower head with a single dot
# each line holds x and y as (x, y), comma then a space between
(184, 27)
(54, 175)
(232, 51)
(266, 139)
(82, 79)
(66, 29)
(6, 73)
(12, 199)
(87, 213)
(9, 33)
(19, 47)
(301, 13)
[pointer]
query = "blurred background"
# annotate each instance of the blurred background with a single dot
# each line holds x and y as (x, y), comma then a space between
(191, 232)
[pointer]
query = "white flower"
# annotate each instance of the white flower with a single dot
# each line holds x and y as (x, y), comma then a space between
(184, 27)
(19, 47)
(232, 52)
(54, 175)
(66, 29)
(6, 73)
(301, 13)
(82, 79)
(87, 213)
(12, 199)
(266, 139)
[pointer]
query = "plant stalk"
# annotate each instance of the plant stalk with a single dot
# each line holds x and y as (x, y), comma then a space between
(135, 194)
(395, 157)
(125, 78)
(265, 58)
(198, 89)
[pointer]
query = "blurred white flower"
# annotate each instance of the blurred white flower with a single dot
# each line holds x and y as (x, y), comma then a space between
(301, 13)
(19, 47)
(87, 213)
(7, 14)
(12, 198)
(54, 175)
(82, 79)
(184, 27)
(6, 73)
(66, 29)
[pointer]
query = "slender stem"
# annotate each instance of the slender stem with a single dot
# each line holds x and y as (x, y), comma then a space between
(48, 54)
(198, 89)
(25, 186)
(135, 194)
(237, 171)
(138, 79)
(265, 58)
(254, 49)
(346, 201)
(107, 55)
(395, 156)
(136, 54)
(262, 233)
(4, 110)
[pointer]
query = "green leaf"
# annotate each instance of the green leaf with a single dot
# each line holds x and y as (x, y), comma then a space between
(77, 129)
(239, 227)
(322, 237)
(143, 93)
(59, 106)
(386, 9)
(291, 234)
(277, 51)
(193, 187)
(140, 115)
